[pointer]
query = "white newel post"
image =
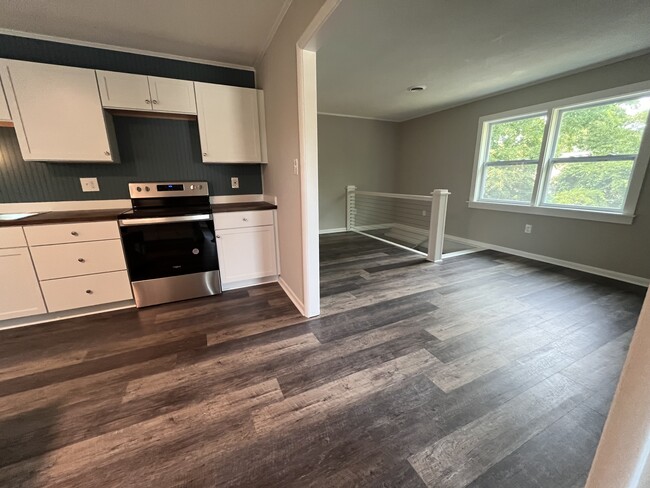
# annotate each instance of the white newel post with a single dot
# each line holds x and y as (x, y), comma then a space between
(437, 224)
(350, 207)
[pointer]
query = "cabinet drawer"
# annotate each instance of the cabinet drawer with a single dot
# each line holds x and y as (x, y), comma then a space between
(12, 237)
(65, 260)
(40, 235)
(234, 220)
(86, 291)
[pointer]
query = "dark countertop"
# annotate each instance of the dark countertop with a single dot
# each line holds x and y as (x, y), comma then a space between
(69, 216)
(242, 206)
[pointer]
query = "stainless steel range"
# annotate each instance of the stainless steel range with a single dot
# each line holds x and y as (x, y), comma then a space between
(169, 242)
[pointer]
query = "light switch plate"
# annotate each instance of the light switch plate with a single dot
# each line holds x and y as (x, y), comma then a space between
(89, 184)
(234, 182)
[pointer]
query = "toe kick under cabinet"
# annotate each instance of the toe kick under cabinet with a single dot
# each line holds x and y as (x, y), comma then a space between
(79, 265)
(246, 245)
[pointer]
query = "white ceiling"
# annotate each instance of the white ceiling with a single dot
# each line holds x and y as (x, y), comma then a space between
(226, 31)
(372, 50)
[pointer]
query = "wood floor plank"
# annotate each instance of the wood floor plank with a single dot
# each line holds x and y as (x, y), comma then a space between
(59, 466)
(308, 406)
(559, 456)
(241, 390)
(464, 455)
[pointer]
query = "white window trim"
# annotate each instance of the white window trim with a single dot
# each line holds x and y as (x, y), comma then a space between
(552, 110)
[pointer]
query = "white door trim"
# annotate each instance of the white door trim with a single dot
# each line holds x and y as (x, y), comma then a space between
(308, 137)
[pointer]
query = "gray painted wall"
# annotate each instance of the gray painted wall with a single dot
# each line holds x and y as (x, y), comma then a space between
(438, 151)
(357, 152)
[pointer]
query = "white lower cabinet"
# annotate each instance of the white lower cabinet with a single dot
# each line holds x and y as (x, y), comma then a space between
(86, 291)
(247, 251)
(20, 295)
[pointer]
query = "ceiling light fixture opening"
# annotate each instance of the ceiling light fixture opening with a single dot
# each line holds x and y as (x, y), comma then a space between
(417, 88)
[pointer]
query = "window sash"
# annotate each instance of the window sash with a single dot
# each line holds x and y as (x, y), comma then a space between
(546, 161)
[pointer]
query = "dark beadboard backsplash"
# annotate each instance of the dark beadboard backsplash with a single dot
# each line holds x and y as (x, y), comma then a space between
(150, 150)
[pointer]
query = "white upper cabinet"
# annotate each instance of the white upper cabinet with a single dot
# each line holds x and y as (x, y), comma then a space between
(229, 123)
(59, 115)
(150, 93)
(5, 116)
(124, 90)
(175, 96)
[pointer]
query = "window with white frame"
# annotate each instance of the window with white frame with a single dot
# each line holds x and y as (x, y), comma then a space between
(585, 154)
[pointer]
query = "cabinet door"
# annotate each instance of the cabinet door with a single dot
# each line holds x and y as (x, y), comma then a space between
(246, 253)
(228, 123)
(59, 115)
(124, 90)
(5, 116)
(175, 96)
(20, 294)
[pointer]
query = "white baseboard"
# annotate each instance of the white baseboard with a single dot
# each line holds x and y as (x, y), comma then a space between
(615, 275)
(292, 296)
(332, 231)
(68, 314)
(246, 283)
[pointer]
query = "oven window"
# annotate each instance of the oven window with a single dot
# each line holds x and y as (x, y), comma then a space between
(172, 249)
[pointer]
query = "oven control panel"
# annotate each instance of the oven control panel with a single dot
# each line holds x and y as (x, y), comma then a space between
(168, 189)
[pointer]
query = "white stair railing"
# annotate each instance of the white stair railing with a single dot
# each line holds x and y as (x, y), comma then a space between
(412, 222)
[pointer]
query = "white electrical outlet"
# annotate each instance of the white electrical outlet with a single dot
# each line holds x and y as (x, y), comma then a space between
(528, 228)
(234, 182)
(89, 184)
(295, 166)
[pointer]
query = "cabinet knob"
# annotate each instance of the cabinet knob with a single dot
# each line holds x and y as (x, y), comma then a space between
(147, 101)
(108, 153)
(155, 102)
(205, 154)
(89, 292)
(245, 219)
(218, 237)
(81, 260)
(74, 233)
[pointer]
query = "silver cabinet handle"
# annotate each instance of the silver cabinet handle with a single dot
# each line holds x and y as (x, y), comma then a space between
(218, 237)
(108, 153)
(74, 233)
(205, 154)
(245, 219)
(81, 260)
(147, 101)
(89, 292)
(155, 102)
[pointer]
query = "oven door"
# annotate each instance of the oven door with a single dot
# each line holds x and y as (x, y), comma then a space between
(169, 246)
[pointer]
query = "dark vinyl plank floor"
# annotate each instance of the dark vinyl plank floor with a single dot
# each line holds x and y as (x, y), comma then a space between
(487, 370)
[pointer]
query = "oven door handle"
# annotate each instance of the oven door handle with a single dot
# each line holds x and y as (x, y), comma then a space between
(164, 220)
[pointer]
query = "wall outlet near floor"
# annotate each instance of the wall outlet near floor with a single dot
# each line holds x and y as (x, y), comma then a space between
(528, 228)
(89, 184)
(234, 182)
(295, 166)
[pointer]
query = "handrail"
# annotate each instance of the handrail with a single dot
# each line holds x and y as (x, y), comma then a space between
(426, 198)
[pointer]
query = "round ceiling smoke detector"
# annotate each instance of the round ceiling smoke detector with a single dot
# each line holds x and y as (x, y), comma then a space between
(417, 88)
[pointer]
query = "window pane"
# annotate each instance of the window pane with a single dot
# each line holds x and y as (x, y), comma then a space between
(615, 128)
(593, 184)
(516, 139)
(512, 182)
